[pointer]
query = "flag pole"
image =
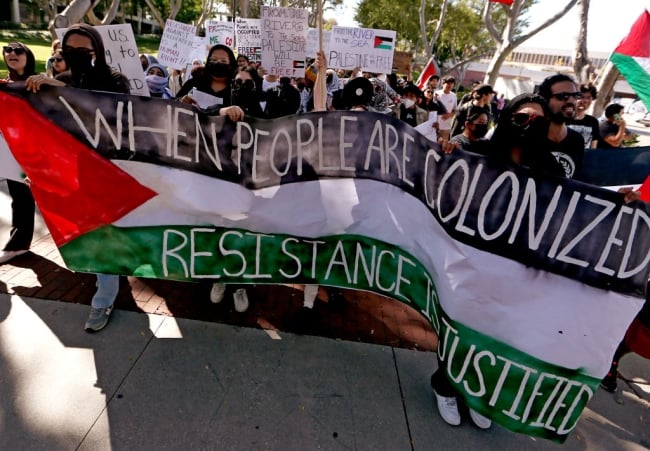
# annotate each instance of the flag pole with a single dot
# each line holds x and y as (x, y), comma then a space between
(320, 90)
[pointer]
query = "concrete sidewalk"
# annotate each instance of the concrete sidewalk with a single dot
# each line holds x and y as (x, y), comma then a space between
(153, 382)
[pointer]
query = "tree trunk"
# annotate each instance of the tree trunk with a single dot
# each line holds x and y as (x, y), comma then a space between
(156, 14)
(72, 14)
(581, 63)
(507, 41)
(605, 85)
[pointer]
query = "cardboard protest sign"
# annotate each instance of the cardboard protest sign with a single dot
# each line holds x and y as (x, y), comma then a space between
(121, 54)
(220, 32)
(402, 62)
(367, 48)
(248, 38)
(284, 38)
(176, 44)
(312, 42)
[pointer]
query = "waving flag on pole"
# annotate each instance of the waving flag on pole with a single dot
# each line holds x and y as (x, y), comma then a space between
(632, 57)
(429, 70)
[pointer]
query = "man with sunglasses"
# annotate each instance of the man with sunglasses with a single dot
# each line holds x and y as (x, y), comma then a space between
(561, 92)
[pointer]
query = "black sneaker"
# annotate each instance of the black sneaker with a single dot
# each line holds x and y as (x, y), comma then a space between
(609, 383)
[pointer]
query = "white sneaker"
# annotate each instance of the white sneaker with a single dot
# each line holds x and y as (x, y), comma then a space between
(448, 409)
(479, 420)
(217, 292)
(309, 295)
(241, 300)
(5, 256)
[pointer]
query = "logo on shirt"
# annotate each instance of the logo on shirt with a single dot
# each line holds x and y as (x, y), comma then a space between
(567, 163)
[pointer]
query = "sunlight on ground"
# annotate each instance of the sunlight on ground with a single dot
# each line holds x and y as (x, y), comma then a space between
(168, 328)
(45, 369)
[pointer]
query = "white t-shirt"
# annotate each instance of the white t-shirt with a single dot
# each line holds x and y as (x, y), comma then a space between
(450, 101)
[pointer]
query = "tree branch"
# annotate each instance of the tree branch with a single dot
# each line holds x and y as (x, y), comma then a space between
(570, 4)
(441, 18)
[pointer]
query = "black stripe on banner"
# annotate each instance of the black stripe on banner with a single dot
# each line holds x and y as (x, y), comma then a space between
(563, 226)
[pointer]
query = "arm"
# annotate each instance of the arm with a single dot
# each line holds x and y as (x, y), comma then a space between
(620, 136)
(35, 82)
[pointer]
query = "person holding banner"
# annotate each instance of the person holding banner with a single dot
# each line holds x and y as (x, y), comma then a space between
(83, 49)
(519, 138)
(210, 85)
(21, 63)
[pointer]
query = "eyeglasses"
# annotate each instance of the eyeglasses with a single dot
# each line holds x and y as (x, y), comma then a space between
(564, 96)
(17, 50)
(523, 119)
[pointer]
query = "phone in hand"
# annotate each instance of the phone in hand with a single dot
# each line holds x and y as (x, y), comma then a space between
(617, 117)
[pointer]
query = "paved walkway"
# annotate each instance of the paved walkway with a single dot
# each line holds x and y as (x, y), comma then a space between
(174, 372)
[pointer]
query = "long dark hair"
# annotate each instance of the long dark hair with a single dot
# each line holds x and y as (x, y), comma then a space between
(30, 66)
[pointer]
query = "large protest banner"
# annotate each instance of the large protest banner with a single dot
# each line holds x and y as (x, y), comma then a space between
(176, 44)
(220, 32)
(367, 48)
(529, 282)
(607, 167)
(284, 40)
(121, 54)
(248, 38)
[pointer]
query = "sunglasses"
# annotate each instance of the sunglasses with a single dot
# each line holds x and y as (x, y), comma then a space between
(523, 119)
(17, 50)
(564, 96)
(58, 59)
(238, 83)
(68, 49)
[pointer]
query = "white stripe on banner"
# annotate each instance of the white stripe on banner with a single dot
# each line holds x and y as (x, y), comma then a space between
(545, 315)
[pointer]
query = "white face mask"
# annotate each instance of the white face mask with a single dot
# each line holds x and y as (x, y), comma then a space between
(408, 103)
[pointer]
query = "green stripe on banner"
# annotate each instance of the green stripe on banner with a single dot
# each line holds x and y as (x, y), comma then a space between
(518, 391)
(192, 253)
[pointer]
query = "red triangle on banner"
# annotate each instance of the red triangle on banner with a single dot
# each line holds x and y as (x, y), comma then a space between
(637, 42)
(645, 190)
(76, 189)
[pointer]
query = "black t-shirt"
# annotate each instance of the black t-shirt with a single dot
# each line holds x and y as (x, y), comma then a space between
(569, 152)
(588, 127)
(462, 112)
(479, 146)
(408, 115)
(607, 129)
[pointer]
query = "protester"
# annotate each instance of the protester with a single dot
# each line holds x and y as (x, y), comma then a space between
(472, 138)
(243, 61)
(21, 64)
(244, 91)
(448, 99)
(637, 340)
(584, 123)
(481, 98)
(175, 81)
(561, 93)
(147, 60)
(282, 100)
(408, 111)
(56, 45)
(518, 139)
(612, 129)
(157, 79)
(58, 64)
(83, 49)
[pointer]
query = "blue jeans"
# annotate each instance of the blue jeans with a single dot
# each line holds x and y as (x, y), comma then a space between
(108, 286)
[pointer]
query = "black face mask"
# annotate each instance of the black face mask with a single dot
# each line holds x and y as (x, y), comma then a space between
(218, 70)
(78, 60)
(480, 130)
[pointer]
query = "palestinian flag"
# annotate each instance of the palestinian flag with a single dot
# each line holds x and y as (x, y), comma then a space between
(632, 57)
(383, 42)
(429, 70)
(529, 282)
(298, 64)
(505, 2)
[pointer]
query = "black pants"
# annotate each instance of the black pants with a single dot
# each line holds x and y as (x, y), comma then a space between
(22, 216)
(440, 383)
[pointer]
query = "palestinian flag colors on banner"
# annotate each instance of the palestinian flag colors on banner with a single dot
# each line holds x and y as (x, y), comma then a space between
(383, 42)
(632, 57)
(529, 282)
(429, 70)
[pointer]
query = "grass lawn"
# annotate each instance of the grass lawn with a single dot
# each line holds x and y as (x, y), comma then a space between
(39, 43)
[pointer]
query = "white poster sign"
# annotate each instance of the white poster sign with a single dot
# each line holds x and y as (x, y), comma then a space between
(248, 38)
(220, 32)
(284, 40)
(367, 48)
(176, 44)
(312, 42)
